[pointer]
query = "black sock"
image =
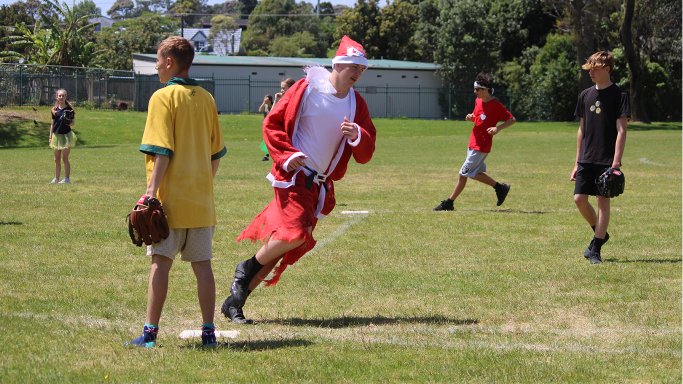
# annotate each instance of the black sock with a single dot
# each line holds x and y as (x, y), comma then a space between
(497, 186)
(597, 244)
(253, 260)
(606, 234)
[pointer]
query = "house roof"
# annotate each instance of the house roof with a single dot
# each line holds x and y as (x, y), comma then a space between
(260, 61)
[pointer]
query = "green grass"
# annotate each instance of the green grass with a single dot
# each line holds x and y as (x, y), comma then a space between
(482, 294)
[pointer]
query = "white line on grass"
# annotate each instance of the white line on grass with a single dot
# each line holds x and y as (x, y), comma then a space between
(354, 217)
(647, 161)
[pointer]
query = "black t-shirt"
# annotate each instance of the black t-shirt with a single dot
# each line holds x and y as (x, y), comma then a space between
(60, 122)
(600, 110)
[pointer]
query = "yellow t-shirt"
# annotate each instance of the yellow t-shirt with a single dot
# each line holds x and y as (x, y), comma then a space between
(182, 123)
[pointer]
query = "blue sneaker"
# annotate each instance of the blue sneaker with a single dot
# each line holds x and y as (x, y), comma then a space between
(148, 339)
(209, 337)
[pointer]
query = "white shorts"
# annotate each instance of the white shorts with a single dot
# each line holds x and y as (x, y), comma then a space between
(194, 244)
(474, 163)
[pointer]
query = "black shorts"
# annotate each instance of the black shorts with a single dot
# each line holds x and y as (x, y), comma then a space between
(586, 177)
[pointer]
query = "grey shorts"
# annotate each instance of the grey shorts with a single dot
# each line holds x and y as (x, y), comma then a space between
(193, 244)
(474, 163)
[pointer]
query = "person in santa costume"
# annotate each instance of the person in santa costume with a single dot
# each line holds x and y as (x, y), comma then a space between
(311, 134)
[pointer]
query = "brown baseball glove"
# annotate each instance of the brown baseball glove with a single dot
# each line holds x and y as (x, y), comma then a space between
(147, 222)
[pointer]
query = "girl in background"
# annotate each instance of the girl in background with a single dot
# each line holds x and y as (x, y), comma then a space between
(62, 137)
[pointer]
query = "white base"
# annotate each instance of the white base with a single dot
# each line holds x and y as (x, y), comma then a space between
(195, 333)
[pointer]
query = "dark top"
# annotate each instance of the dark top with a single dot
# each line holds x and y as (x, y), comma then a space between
(600, 110)
(61, 120)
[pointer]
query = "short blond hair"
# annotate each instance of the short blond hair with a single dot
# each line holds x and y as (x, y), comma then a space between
(600, 59)
(180, 49)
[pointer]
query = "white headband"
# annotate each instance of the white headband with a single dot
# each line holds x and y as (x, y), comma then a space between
(477, 85)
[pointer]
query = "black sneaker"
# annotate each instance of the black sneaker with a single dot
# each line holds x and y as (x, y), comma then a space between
(501, 193)
(594, 257)
(587, 252)
(209, 337)
(445, 205)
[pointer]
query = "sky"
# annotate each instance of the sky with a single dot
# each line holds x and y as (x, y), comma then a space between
(104, 5)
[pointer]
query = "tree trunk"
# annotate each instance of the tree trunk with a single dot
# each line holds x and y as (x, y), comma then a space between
(583, 35)
(638, 113)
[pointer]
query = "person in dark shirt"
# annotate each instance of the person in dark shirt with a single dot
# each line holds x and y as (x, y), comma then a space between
(62, 137)
(603, 111)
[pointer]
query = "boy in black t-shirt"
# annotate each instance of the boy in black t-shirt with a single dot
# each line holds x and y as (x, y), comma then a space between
(603, 110)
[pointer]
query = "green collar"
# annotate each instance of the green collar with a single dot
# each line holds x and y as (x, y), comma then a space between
(182, 81)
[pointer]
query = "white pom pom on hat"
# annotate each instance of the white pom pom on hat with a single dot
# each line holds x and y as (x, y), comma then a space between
(350, 52)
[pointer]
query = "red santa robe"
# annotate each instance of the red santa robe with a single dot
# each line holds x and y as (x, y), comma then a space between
(296, 207)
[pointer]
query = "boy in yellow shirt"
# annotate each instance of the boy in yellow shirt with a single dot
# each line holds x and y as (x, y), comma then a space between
(183, 144)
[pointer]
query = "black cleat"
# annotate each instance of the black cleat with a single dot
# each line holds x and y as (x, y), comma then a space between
(234, 313)
(501, 193)
(594, 257)
(587, 252)
(445, 205)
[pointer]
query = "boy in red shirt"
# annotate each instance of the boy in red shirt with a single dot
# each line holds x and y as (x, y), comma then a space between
(487, 113)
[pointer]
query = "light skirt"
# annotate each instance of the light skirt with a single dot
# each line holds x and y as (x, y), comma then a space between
(63, 141)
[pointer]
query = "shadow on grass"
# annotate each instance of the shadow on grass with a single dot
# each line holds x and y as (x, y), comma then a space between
(19, 131)
(654, 261)
(11, 223)
(251, 346)
(347, 322)
(661, 126)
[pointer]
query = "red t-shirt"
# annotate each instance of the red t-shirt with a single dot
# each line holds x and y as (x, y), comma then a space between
(486, 115)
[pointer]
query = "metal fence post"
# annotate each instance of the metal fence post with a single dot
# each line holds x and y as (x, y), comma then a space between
(21, 87)
(386, 100)
(450, 102)
(419, 102)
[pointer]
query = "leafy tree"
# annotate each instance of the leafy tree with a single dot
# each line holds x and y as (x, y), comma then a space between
(543, 82)
(297, 45)
(10, 16)
(246, 7)
(264, 28)
(465, 44)
(361, 23)
(231, 7)
(60, 40)
(518, 24)
(396, 31)
(427, 29)
(87, 8)
(221, 30)
(121, 9)
(188, 9)
(116, 45)
(326, 8)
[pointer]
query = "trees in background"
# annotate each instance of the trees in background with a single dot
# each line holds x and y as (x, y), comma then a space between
(533, 48)
(138, 35)
(300, 33)
(60, 35)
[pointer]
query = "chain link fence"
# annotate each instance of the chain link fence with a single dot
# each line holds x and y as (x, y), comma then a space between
(33, 85)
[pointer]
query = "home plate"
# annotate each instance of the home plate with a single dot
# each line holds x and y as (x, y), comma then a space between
(195, 333)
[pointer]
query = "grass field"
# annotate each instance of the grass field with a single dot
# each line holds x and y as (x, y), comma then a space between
(482, 294)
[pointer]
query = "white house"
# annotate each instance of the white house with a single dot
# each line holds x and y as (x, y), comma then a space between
(392, 88)
(226, 43)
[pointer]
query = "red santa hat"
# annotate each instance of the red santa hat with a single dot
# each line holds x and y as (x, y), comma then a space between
(350, 52)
